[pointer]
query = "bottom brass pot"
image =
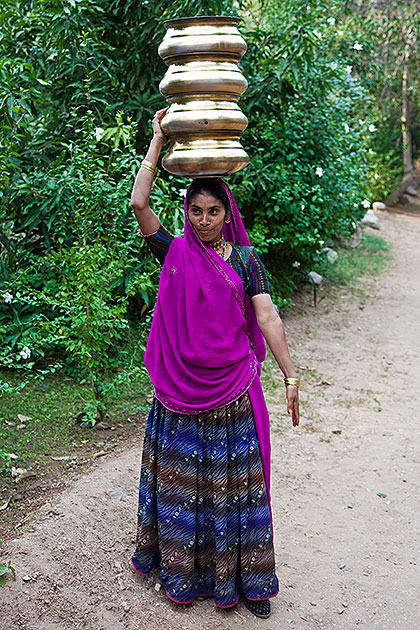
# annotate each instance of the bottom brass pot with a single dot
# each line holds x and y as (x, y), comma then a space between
(205, 158)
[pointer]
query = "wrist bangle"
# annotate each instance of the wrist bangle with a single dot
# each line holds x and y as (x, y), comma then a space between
(292, 381)
(149, 166)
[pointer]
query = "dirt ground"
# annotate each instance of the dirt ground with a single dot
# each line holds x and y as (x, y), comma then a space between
(345, 492)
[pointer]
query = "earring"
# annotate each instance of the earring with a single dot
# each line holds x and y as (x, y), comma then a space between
(227, 220)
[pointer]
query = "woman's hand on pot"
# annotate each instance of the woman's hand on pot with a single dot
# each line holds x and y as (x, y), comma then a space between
(292, 395)
(156, 125)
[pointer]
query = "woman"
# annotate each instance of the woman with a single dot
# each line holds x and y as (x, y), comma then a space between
(204, 515)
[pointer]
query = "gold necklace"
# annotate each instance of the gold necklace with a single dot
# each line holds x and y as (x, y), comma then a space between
(218, 243)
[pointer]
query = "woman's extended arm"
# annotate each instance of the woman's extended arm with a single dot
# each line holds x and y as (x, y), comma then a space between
(146, 218)
(272, 328)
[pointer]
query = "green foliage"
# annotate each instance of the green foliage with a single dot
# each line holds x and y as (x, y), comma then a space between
(308, 171)
(4, 570)
(79, 85)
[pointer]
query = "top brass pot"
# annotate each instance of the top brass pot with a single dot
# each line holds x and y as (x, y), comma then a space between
(203, 83)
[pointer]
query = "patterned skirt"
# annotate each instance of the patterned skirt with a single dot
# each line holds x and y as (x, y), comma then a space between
(203, 515)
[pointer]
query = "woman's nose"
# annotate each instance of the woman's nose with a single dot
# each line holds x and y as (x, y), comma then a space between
(204, 220)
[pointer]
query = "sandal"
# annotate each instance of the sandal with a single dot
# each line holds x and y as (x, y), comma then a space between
(260, 608)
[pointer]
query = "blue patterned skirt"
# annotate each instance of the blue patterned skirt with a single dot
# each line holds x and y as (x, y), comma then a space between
(203, 515)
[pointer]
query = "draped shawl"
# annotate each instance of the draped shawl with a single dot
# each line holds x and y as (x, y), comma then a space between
(205, 348)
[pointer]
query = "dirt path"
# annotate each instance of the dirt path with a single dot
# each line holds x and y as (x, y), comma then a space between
(345, 556)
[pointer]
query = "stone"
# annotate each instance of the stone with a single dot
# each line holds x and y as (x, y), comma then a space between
(378, 205)
(371, 220)
(116, 493)
(330, 253)
(315, 277)
(412, 190)
(353, 241)
(408, 199)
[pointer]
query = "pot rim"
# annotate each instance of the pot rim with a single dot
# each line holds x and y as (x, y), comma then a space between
(201, 19)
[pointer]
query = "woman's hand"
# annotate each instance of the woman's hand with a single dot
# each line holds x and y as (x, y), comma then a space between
(156, 125)
(292, 395)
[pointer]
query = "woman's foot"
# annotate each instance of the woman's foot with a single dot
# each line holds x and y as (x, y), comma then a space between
(259, 608)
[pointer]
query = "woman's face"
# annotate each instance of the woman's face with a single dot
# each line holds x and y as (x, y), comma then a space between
(207, 215)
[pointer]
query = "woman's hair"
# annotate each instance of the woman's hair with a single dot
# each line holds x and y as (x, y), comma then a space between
(210, 186)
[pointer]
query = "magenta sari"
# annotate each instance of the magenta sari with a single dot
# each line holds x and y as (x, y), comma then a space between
(199, 354)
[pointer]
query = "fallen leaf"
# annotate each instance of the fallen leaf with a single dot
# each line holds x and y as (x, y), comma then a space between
(62, 458)
(382, 495)
(21, 426)
(322, 383)
(12, 455)
(23, 418)
(239, 615)
(102, 425)
(5, 505)
(27, 474)
(99, 454)
(15, 472)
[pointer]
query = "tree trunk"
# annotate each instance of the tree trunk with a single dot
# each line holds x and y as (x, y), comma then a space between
(405, 119)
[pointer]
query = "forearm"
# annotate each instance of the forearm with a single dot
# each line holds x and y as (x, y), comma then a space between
(273, 331)
(143, 184)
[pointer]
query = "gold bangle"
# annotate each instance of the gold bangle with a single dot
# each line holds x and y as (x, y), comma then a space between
(292, 381)
(149, 166)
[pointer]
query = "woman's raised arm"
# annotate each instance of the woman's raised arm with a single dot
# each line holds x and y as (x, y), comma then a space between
(146, 218)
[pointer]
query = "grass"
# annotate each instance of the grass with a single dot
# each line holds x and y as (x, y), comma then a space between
(52, 429)
(371, 258)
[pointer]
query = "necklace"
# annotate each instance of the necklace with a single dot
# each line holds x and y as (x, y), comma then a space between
(221, 243)
(218, 244)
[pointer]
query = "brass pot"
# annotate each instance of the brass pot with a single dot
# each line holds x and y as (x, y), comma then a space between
(203, 84)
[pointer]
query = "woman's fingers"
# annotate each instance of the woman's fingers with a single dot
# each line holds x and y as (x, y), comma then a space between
(293, 404)
(295, 415)
(161, 113)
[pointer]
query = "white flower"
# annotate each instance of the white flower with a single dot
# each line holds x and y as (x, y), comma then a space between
(296, 264)
(357, 46)
(317, 34)
(376, 176)
(334, 65)
(99, 132)
(319, 171)
(366, 203)
(302, 207)
(340, 33)
(372, 128)
(371, 151)
(25, 353)
(346, 128)
(349, 69)
(361, 122)
(331, 20)
(7, 297)
(183, 192)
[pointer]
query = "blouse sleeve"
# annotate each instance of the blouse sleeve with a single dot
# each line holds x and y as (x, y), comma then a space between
(159, 243)
(258, 281)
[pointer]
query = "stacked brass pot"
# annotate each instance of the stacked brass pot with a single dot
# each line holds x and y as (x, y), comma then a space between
(203, 84)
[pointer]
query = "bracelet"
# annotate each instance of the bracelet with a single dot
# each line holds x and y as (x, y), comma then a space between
(292, 381)
(149, 166)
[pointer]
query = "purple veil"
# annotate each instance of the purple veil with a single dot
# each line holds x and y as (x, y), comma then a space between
(198, 353)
